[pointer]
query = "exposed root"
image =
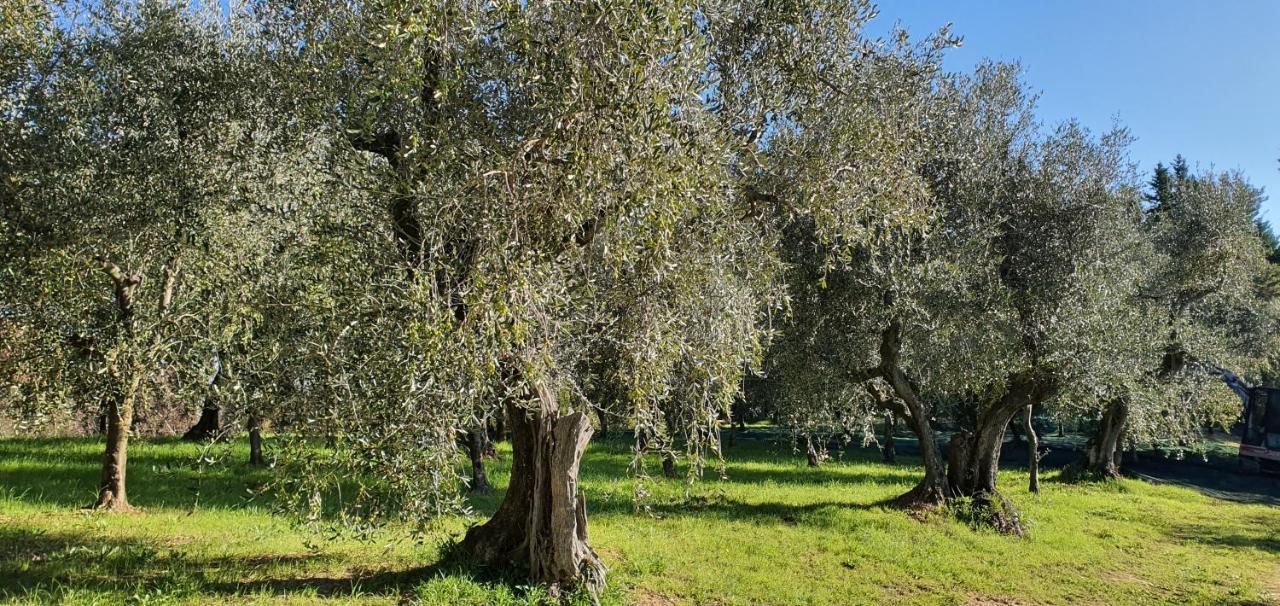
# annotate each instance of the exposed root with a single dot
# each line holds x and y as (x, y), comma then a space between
(923, 496)
(1081, 471)
(996, 511)
(108, 503)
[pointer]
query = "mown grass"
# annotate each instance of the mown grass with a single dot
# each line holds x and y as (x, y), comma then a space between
(773, 532)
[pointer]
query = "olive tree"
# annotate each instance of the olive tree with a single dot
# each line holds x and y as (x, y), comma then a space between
(554, 189)
(1010, 290)
(895, 326)
(573, 200)
(130, 139)
(1207, 306)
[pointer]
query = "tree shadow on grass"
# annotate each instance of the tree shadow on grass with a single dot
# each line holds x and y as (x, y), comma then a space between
(64, 472)
(40, 565)
(34, 563)
(1260, 533)
(827, 474)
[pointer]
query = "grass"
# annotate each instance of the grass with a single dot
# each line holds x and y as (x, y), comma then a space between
(774, 532)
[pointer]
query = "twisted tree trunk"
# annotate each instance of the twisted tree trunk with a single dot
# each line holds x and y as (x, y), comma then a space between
(542, 521)
(1102, 454)
(933, 490)
(811, 453)
(974, 456)
(112, 495)
(668, 465)
(668, 457)
(499, 425)
(603, 416)
(209, 425)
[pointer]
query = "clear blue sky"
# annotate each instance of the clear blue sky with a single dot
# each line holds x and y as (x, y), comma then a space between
(1196, 77)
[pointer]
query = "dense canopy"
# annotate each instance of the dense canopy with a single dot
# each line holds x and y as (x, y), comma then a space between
(388, 227)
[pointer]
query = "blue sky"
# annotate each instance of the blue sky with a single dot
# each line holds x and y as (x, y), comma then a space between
(1200, 78)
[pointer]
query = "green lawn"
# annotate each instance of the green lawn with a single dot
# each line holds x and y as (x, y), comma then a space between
(774, 532)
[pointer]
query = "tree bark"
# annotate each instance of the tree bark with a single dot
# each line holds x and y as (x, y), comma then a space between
(933, 490)
(974, 456)
(490, 450)
(499, 425)
(1102, 454)
(475, 442)
(1015, 434)
(542, 522)
(209, 425)
(668, 465)
(255, 442)
(1033, 450)
(668, 457)
(112, 494)
(888, 451)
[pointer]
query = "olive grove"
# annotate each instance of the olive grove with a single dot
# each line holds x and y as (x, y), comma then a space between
(383, 226)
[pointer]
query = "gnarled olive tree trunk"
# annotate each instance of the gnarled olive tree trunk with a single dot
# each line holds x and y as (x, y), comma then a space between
(603, 417)
(668, 457)
(542, 521)
(1102, 454)
(208, 426)
(812, 456)
(112, 495)
(974, 455)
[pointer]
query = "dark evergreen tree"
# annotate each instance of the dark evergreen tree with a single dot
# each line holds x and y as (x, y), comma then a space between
(1161, 188)
(1181, 172)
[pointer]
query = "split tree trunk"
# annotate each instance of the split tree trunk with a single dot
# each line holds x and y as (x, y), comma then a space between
(974, 456)
(541, 524)
(1102, 455)
(255, 442)
(475, 442)
(1033, 450)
